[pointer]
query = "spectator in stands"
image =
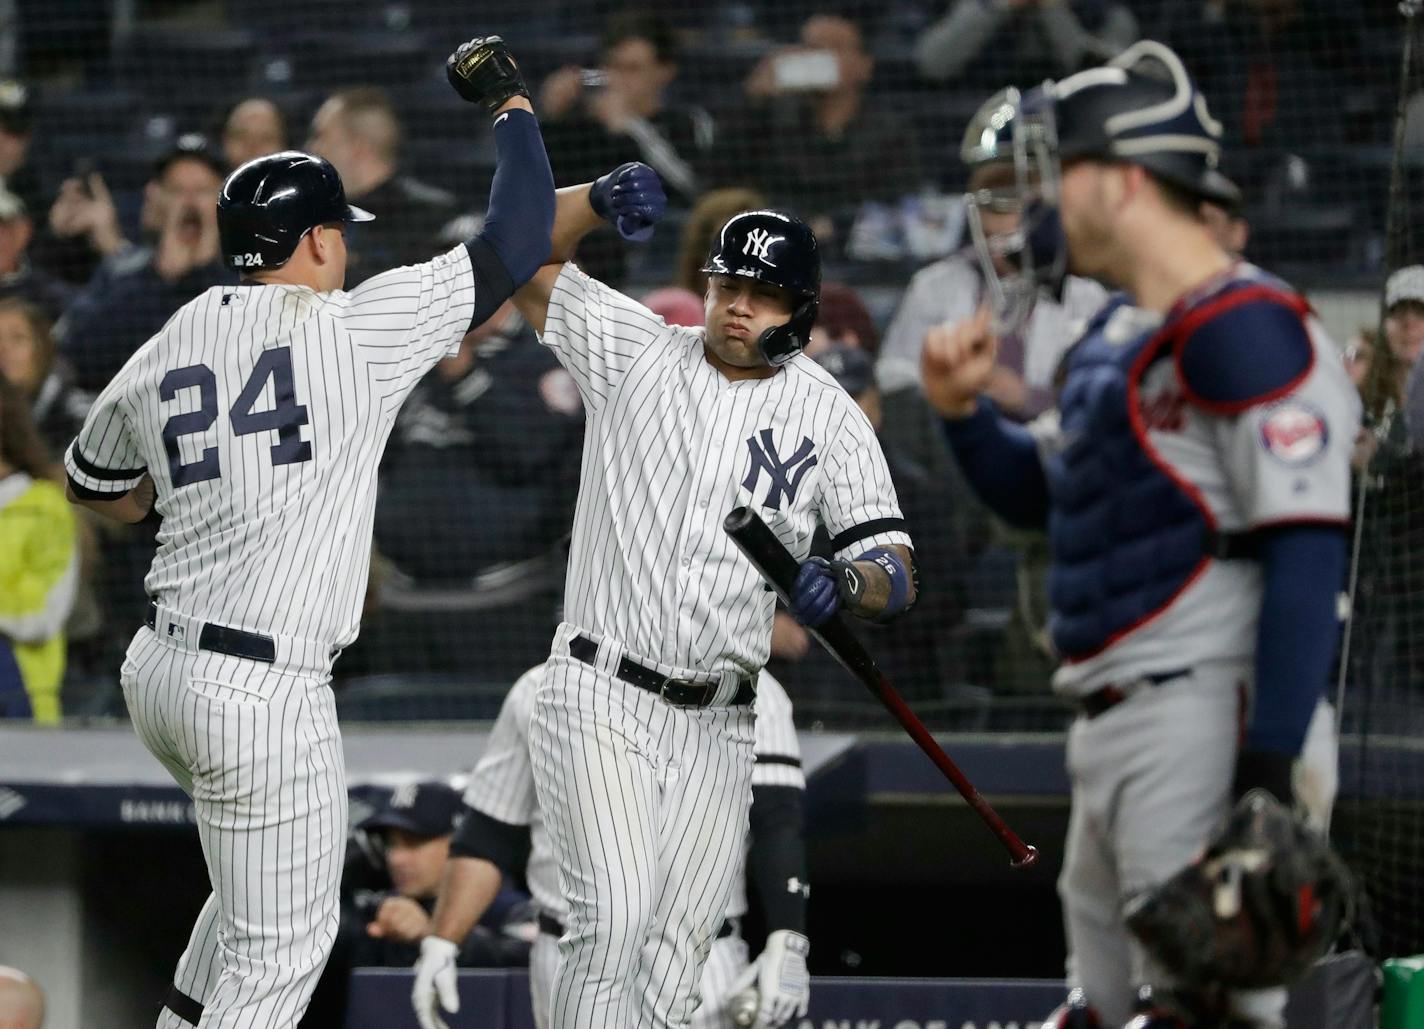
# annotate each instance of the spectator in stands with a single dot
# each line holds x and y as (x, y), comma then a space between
(1404, 337)
(16, 133)
(807, 137)
(596, 121)
(18, 276)
(1358, 354)
(253, 127)
(84, 227)
(30, 363)
(138, 287)
(991, 43)
(843, 320)
(712, 211)
(359, 132)
(22, 1004)
(951, 289)
(477, 492)
(676, 306)
(392, 875)
(39, 568)
(1276, 71)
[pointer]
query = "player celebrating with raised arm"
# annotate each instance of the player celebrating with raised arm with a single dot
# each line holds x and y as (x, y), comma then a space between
(642, 728)
(1194, 482)
(254, 423)
(503, 834)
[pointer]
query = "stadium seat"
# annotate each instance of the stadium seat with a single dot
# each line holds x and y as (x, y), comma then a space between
(196, 68)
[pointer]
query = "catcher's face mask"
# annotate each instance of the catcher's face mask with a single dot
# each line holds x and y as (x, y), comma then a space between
(1018, 130)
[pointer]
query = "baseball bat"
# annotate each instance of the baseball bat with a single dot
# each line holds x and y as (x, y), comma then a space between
(776, 565)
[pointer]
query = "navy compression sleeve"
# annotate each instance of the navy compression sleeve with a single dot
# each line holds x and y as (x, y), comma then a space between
(1303, 569)
(1000, 460)
(515, 238)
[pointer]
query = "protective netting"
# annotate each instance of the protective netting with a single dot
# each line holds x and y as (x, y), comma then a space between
(848, 113)
(1380, 827)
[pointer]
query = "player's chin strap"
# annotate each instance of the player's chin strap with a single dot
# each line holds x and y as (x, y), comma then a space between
(781, 343)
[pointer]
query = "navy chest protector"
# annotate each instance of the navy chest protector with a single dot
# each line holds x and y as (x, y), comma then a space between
(1125, 537)
(1127, 531)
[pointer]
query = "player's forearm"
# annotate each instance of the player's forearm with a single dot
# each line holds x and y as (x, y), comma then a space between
(467, 889)
(880, 589)
(574, 218)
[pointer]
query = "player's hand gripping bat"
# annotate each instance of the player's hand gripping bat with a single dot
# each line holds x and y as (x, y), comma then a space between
(779, 568)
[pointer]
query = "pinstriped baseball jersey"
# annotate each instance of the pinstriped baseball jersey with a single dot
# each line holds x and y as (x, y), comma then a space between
(261, 412)
(502, 783)
(670, 447)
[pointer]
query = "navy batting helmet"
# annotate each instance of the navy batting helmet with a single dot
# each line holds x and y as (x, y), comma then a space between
(780, 249)
(268, 204)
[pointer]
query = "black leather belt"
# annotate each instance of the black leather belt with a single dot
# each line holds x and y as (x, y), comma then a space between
(1110, 696)
(679, 692)
(551, 926)
(222, 640)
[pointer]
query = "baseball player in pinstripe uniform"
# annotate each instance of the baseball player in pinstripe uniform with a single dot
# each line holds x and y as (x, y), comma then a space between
(642, 729)
(253, 423)
(503, 833)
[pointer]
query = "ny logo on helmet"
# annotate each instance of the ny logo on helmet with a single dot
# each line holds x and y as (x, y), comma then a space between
(759, 243)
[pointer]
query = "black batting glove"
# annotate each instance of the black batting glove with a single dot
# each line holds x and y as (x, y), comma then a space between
(483, 72)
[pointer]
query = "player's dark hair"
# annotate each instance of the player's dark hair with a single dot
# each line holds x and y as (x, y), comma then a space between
(20, 443)
(641, 24)
(1176, 198)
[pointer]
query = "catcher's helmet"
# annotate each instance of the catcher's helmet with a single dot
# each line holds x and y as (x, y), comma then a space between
(1140, 108)
(780, 249)
(1265, 901)
(268, 204)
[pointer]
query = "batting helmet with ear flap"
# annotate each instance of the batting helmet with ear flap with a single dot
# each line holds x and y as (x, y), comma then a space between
(780, 249)
(268, 204)
(1256, 910)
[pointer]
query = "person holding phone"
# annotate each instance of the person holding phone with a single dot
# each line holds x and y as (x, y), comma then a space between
(599, 118)
(833, 151)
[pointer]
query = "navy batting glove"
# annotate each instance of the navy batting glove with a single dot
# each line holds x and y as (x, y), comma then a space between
(816, 597)
(631, 197)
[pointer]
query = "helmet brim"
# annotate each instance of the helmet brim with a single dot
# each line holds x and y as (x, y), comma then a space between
(358, 214)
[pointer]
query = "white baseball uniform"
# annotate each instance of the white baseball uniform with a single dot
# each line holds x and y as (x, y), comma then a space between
(502, 787)
(261, 412)
(646, 802)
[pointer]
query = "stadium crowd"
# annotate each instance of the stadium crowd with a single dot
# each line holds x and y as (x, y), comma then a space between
(111, 158)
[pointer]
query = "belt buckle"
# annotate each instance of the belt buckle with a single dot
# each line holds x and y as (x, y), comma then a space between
(670, 681)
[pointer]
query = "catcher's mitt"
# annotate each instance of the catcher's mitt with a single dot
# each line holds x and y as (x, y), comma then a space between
(1265, 901)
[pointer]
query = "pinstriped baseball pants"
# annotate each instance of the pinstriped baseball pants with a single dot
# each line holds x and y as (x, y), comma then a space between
(727, 960)
(646, 806)
(257, 748)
